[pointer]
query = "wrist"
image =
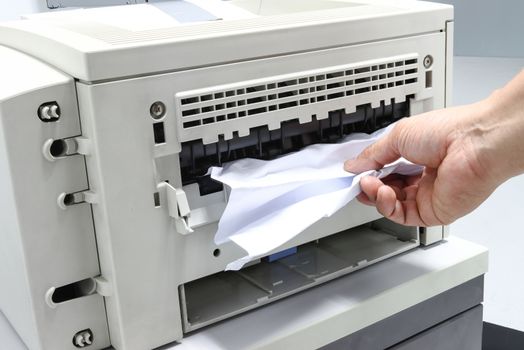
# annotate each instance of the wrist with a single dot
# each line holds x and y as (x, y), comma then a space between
(499, 134)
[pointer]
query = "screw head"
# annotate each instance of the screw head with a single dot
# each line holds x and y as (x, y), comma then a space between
(157, 110)
(428, 61)
(49, 112)
(83, 338)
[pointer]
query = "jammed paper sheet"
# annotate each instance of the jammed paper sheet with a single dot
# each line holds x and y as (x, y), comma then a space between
(273, 201)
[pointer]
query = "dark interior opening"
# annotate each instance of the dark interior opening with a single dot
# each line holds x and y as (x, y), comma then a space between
(159, 133)
(74, 290)
(261, 143)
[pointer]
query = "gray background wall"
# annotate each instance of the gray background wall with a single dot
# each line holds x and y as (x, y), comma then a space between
(492, 28)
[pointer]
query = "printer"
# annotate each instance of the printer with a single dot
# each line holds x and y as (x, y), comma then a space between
(111, 117)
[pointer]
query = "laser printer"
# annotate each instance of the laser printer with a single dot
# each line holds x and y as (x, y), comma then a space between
(110, 118)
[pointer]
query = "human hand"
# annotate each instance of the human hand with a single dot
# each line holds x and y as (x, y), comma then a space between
(463, 151)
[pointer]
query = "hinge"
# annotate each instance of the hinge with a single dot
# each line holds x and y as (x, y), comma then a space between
(103, 287)
(83, 146)
(65, 200)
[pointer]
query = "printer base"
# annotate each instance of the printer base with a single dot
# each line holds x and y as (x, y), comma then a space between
(450, 320)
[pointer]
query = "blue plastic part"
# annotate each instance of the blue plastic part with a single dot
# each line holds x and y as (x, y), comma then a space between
(183, 11)
(282, 254)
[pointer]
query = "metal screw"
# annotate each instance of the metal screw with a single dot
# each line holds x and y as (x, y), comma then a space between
(157, 110)
(49, 112)
(83, 338)
(428, 61)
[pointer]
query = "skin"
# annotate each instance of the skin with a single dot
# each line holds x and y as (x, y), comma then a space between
(467, 152)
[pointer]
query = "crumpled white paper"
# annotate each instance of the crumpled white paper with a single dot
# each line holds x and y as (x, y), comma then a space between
(273, 201)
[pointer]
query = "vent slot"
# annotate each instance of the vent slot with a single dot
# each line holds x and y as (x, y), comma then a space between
(201, 109)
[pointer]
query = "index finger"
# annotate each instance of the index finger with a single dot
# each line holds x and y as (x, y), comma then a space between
(382, 152)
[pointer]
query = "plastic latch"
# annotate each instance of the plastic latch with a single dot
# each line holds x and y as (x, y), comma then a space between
(178, 207)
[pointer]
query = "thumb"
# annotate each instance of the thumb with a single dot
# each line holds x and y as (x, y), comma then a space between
(374, 157)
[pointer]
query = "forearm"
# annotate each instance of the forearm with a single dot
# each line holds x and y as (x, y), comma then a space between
(499, 130)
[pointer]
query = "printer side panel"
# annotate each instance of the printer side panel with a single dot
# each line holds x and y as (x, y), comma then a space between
(15, 297)
(450, 29)
(49, 256)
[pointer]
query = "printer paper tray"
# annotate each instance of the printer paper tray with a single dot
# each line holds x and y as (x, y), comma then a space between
(225, 294)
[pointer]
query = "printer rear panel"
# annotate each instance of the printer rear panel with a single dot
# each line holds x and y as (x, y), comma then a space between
(139, 244)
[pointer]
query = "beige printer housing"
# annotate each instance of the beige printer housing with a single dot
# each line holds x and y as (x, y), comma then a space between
(105, 130)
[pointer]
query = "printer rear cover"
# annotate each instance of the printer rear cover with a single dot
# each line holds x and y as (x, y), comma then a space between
(110, 118)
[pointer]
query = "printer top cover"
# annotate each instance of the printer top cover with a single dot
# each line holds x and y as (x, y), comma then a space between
(124, 41)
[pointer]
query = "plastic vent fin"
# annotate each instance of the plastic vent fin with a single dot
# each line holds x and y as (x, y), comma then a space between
(244, 99)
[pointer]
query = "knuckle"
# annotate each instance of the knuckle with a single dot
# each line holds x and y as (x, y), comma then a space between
(367, 152)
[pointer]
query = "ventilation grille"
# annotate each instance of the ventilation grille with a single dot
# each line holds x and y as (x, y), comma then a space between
(245, 100)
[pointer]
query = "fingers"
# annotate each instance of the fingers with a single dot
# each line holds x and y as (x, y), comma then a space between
(403, 212)
(382, 152)
(387, 203)
(400, 199)
(418, 139)
(374, 157)
(363, 198)
(424, 198)
(371, 184)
